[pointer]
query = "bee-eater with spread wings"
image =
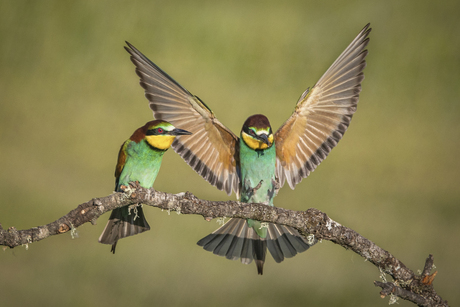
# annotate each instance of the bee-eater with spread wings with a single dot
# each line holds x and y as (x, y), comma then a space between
(139, 160)
(258, 163)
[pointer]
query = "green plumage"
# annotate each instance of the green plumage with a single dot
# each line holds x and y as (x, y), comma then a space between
(258, 179)
(139, 160)
(142, 164)
(249, 240)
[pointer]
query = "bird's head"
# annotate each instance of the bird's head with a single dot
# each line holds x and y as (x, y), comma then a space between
(160, 134)
(257, 132)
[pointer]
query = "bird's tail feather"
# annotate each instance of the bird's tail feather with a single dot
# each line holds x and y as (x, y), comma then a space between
(236, 240)
(285, 242)
(123, 223)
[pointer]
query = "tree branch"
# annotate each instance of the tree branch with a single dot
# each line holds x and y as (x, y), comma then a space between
(406, 285)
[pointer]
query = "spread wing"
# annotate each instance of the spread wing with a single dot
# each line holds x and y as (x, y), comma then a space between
(322, 115)
(212, 149)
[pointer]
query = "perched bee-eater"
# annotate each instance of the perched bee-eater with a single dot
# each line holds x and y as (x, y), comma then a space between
(259, 162)
(139, 160)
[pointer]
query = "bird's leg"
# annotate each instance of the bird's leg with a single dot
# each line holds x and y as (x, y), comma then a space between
(257, 187)
(128, 190)
(276, 186)
(250, 190)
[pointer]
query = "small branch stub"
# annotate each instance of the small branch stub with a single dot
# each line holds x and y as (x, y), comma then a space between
(63, 228)
(428, 280)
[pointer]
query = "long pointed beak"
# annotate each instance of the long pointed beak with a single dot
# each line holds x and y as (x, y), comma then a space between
(180, 132)
(264, 138)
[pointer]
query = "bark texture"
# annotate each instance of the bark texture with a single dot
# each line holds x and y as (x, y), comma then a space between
(406, 284)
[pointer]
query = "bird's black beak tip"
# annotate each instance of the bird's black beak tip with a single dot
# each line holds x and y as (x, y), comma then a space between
(264, 139)
(181, 132)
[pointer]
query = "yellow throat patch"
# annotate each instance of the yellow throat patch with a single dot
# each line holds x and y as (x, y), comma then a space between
(256, 144)
(161, 142)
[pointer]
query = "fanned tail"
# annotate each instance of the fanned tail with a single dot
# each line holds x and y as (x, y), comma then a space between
(236, 240)
(285, 242)
(122, 224)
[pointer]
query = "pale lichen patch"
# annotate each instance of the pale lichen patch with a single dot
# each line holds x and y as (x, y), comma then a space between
(311, 239)
(220, 220)
(73, 231)
(263, 225)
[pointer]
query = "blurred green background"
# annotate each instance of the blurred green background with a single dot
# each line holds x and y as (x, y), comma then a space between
(69, 97)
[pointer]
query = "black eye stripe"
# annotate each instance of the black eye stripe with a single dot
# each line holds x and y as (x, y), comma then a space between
(156, 131)
(249, 131)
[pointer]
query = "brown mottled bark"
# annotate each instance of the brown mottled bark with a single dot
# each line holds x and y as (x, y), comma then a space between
(406, 284)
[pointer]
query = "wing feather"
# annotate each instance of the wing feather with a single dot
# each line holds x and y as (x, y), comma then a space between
(212, 149)
(322, 115)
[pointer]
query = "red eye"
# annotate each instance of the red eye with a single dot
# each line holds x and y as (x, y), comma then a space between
(160, 130)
